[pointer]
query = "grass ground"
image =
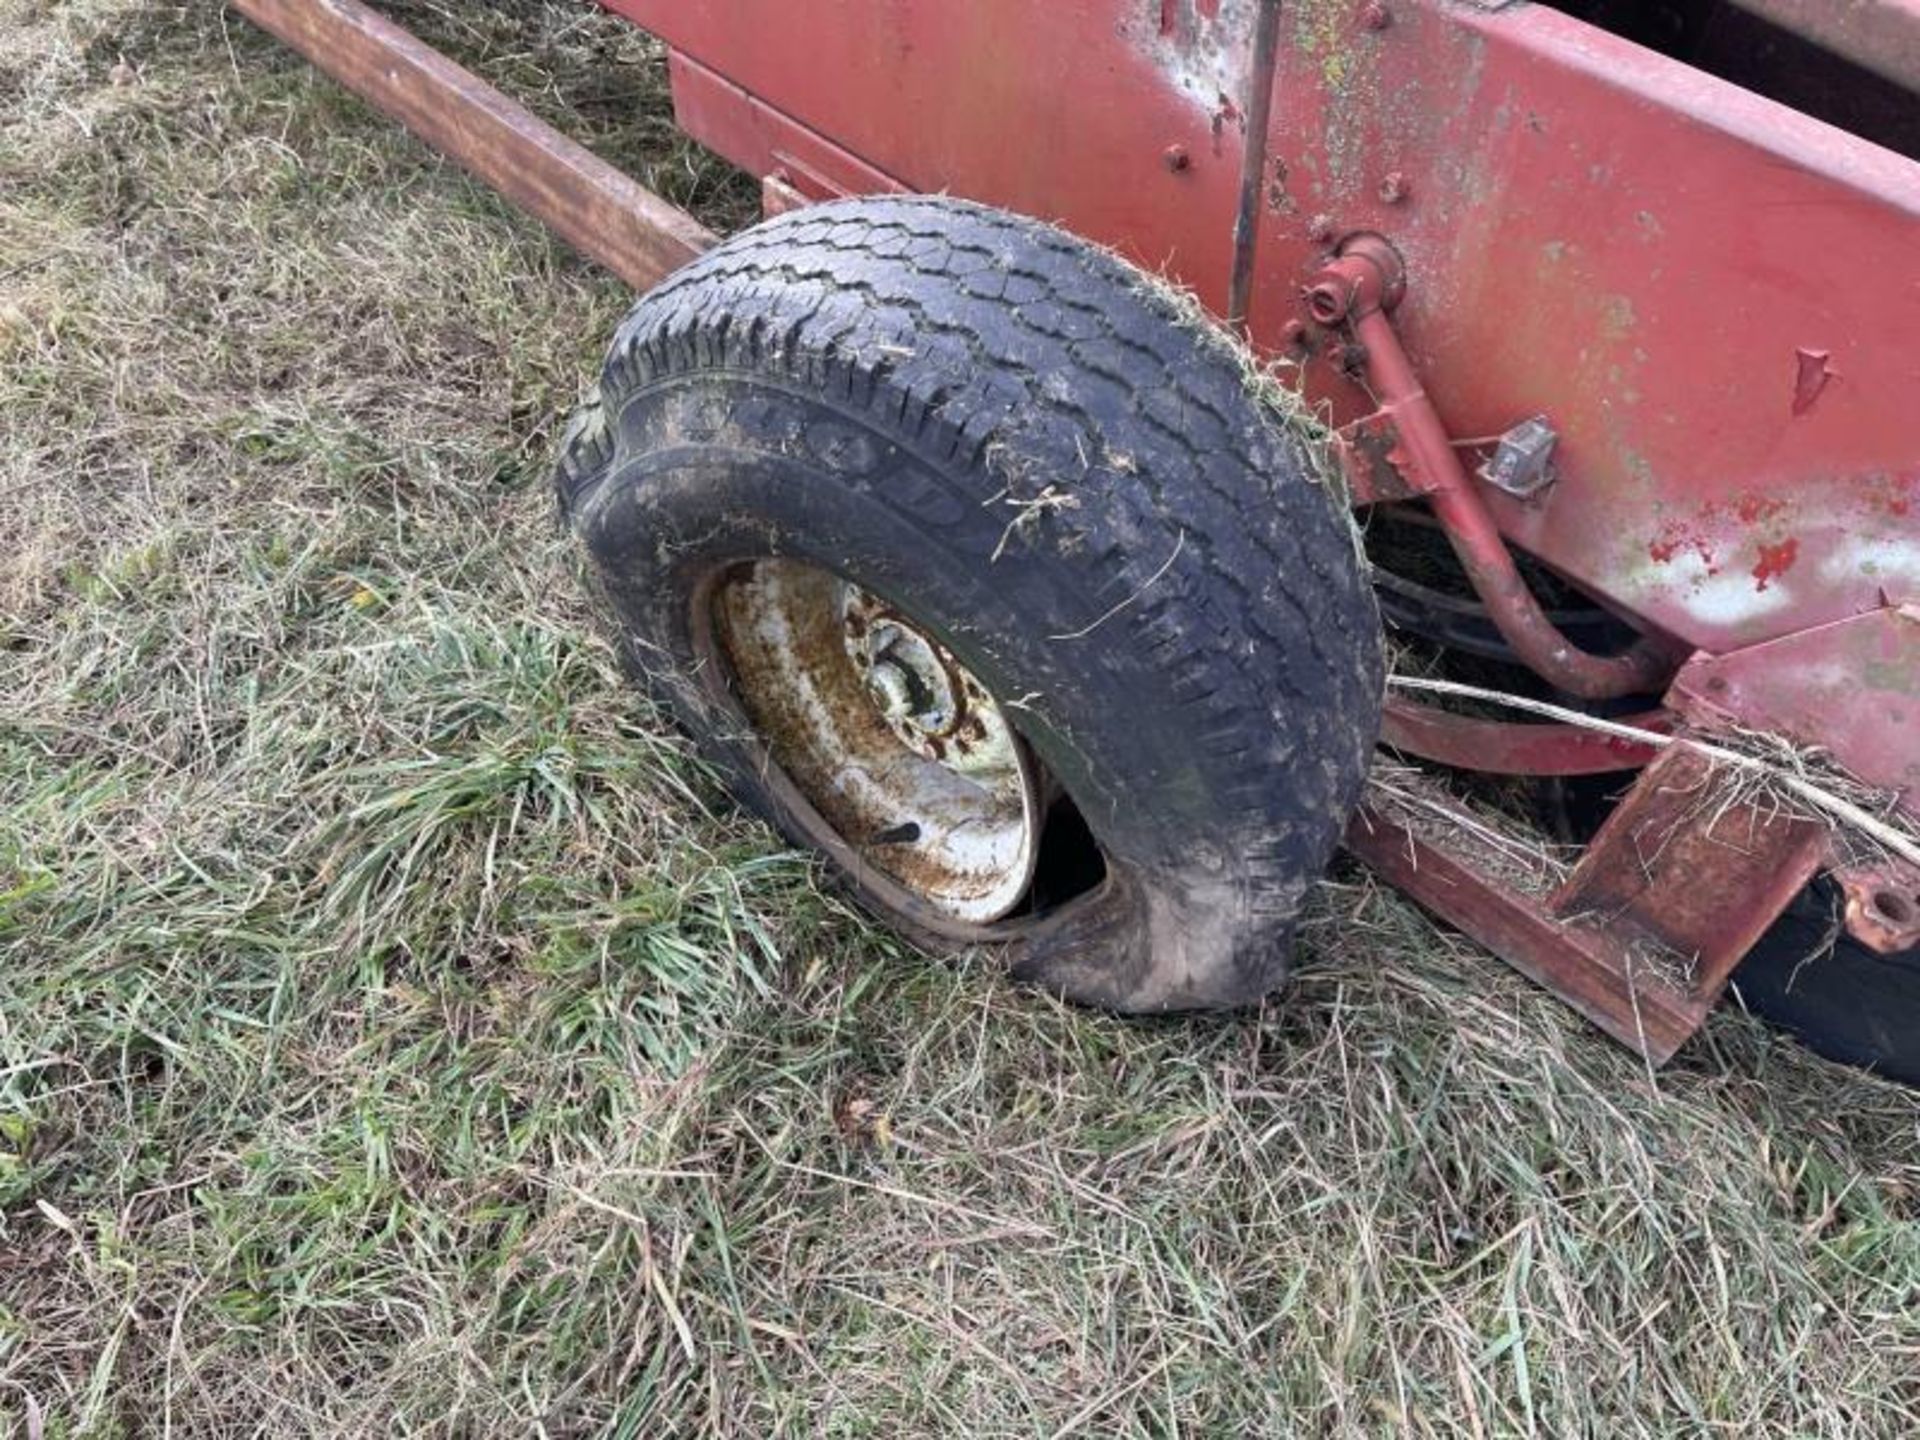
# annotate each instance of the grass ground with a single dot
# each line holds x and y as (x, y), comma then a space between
(398, 1035)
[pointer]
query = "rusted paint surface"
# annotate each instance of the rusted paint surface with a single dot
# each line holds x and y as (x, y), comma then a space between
(602, 212)
(1851, 688)
(1594, 233)
(1373, 462)
(1882, 905)
(893, 744)
(1632, 997)
(1253, 157)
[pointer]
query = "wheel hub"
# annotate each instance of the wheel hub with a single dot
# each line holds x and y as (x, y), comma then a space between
(898, 749)
(904, 676)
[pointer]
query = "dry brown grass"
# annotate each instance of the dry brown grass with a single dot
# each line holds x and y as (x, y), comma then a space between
(399, 1036)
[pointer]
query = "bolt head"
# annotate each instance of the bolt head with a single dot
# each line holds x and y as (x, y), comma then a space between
(1376, 16)
(1176, 158)
(1395, 187)
(1320, 229)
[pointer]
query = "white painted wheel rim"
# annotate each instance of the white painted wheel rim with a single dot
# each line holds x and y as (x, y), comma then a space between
(896, 746)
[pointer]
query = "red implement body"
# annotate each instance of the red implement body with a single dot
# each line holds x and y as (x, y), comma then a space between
(1641, 331)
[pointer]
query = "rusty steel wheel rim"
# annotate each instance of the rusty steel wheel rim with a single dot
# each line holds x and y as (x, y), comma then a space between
(899, 751)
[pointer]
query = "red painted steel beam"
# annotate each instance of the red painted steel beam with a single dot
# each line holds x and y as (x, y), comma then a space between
(1680, 882)
(1576, 961)
(1500, 747)
(604, 214)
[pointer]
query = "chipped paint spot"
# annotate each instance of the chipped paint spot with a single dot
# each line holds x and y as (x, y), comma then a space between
(1752, 508)
(1720, 600)
(1677, 538)
(1201, 48)
(1776, 560)
(1813, 372)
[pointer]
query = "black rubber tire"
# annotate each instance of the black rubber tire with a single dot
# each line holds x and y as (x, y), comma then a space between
(1842, 1000)
(1193, 650)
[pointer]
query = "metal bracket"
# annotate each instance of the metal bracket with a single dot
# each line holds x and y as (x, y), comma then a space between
(1522, 463)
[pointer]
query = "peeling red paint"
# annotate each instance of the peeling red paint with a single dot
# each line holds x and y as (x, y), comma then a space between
(1677, 539)
(1754, 508)
(1775, 561)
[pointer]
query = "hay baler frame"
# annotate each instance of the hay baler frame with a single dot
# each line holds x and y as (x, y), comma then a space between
(1681, 319)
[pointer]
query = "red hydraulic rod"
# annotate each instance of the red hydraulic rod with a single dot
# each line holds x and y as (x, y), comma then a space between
(1358, 288)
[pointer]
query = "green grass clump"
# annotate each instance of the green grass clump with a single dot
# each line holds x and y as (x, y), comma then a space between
(400, 1035)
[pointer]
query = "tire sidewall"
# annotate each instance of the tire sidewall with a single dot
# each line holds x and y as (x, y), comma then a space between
(759, 472)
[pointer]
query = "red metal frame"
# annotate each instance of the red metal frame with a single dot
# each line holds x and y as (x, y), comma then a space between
(1642, 936)
(1497, 747)
(1492, 212)
(1594, 232)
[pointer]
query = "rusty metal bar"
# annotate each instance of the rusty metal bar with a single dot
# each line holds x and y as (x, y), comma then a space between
(1253, 161)
(1634, 1004)
(1641, 937)
(1879, 35)
(606, 215)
